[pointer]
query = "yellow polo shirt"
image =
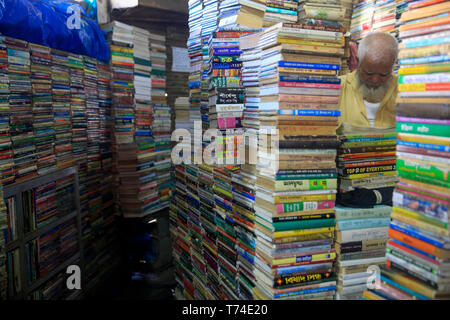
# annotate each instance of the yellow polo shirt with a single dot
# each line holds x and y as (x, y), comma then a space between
(353, 111)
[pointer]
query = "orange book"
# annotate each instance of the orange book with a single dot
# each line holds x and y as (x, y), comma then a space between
(419, 244)
(421, 4)
(425, 24)
(427, 11)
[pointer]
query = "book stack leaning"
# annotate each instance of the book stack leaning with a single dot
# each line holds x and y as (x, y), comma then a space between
(418, 252)
(296, 171)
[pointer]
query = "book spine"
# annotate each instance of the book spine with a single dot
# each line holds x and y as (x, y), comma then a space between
(297, 279)
(416, 235)
(362, 234)
(357, 246)
(361, 170)
(430, 172)
(313, 27)
(324, 113)
(304, 259)
(309, 79)
(355, 214)
(426, 59)
(303, 206)
(226, 72)
(424, 78)
(281, 11)
(424, 86)
(291, 64)
(309, 85)
(424, 69)
(363, 223)
(304, 232)
(232, 51)
(312, 184)
(424, 145)
(419, 224)
(232, 65)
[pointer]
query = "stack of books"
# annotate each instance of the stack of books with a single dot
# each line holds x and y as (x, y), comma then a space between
(120, 37)
(142, 83)
(226, 233)
(348, 6)
(244, 13)
(182, 114)
(384, 16)
(280, 11)
(181, 241)
(296, 178)
(243, 184)
(418, 252)
(361, 19)
(6, 151)
(20, 106)
(195, 51)
(209, 235)
(366, 158)
(44, 132)
(195, 228)
(162, 124)
(326, 11)
(61, 108)
(78, 108)
(3, 239)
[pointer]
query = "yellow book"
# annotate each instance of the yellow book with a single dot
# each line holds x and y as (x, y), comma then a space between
(371, 296)
(433, 50)
(307, 71)
(312, 49)
(417, 216)
(371, 175)
(313, 258)
(423, 139)
(313, 197)
(310, 42)
(427, 68)
(293, 233)
(419, 224)
(426, 11)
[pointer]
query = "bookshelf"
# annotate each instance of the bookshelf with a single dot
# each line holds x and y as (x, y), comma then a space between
(21, 286)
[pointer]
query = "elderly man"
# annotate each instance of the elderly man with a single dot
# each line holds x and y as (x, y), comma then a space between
(368, 94)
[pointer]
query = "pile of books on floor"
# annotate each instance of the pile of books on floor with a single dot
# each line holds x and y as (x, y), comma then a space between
(44, 132)
(362, 16)
(366, 159)
(296, 171)
(418, 252)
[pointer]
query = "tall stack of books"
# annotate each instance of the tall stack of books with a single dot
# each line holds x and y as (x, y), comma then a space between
(209, 243)
(296, 179)
(418, 252)
(180, 237)
(348, 6)
(6, 151)
(44, 132)
(280, 11)
(142, 82)
(362, 16)
(195, 51)
(20, 106)
(61, 108)
(161, 125)
(366, 159)
(384, 16)
(182, 114)
(3, 237)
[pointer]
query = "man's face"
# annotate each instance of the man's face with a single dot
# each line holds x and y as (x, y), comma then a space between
(373, 74)
(373, 78)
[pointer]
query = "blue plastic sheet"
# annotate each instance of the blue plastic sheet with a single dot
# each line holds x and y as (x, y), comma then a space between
(53, 24)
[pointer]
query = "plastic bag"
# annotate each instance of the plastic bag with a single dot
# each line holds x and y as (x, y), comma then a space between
(57, 24)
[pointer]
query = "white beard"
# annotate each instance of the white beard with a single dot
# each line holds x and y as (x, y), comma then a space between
(372, 94)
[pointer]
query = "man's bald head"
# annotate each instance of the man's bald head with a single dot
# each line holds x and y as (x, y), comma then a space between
(379, 47)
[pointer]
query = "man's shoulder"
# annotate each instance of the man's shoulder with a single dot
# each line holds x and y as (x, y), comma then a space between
(347, 78)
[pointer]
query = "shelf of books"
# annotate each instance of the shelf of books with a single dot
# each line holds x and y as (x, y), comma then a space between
(42, 235)
(418, 249)
(56, 113)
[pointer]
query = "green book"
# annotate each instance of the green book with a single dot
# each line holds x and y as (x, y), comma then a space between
(429, 129)
(303, 224)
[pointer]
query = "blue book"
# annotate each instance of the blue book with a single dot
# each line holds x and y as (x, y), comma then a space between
(398, 286)
(294, 293)
(282, 11)
(414, 249)
(323, 113)
(427, 42)
(429, 59)
(291, 64)
(416, 235)
(424, 145)
(309, 79)
(365, 223)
